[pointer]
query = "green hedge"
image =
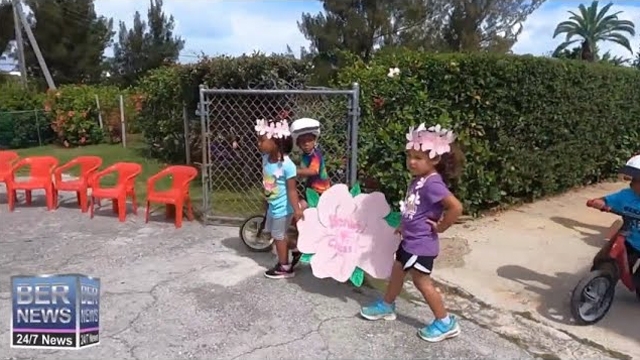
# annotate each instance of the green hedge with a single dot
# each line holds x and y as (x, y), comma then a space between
(529, 126)
(165, 90)
(23, 123)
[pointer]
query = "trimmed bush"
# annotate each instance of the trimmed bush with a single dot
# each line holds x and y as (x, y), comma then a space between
(22, 121)
(529, 126)
(166, 90)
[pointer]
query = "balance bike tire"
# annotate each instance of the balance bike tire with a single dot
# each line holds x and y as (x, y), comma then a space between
(248, 235)
(583, 294)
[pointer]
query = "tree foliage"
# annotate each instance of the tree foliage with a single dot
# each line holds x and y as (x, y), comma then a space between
(592, 26)
(493, 25)
(147, 45)
(7, 32)
(361, 27)
(72, 39)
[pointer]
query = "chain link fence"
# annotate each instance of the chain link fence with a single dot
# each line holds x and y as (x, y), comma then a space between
(24, 128)
(231, 162)
(116, 116)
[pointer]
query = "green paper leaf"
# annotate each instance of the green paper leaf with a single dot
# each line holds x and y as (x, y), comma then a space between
(393, 219)
(306, 258)
(312, 198)
(357, 278)
(355, 190)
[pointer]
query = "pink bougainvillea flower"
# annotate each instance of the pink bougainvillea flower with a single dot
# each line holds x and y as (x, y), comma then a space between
(345, 232)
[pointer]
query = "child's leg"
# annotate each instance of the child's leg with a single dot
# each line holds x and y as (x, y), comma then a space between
(614, 228)
(385, 308)
(610, 237)
(279, 233)
(444, 326)
(424, 284)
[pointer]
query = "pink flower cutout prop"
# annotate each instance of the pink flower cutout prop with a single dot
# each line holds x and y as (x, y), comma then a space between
(348, 232)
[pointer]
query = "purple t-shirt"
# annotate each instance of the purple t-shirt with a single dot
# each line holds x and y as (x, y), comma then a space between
(423, 201)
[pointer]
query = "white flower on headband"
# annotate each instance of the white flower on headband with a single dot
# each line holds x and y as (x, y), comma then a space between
(261, 126)
(413, 139)
(282, 129)
(393, 72)
(436, 140)
(277, 130)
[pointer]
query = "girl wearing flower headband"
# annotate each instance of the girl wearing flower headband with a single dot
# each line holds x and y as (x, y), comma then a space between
(279, 181)
(428, 209)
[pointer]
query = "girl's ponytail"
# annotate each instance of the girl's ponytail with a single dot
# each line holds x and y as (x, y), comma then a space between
(451, 164)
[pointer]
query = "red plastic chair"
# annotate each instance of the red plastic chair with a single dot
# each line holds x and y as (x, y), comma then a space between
(177, 196)
(88, 166)
(124, 188)
(7, 158)
(40, 177)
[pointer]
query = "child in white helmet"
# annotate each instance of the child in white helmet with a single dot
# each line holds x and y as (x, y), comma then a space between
(625, 200)
(305, 133)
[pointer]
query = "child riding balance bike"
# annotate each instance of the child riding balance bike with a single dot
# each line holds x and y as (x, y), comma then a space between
(593, 296)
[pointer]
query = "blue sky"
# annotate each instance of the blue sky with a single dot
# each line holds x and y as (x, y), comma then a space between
(241, 26)
(234, 27)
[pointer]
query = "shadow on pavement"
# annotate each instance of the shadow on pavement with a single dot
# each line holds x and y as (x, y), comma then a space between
(594, 236)
(555, 293)
(305, 280)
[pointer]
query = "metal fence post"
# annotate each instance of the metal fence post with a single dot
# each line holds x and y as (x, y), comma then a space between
(203, 166)
(355, 118)
(185, 119)
(38, 127)
(99, 112)
(122, 123)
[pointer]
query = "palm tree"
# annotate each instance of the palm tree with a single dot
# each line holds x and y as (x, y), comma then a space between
(592, 26)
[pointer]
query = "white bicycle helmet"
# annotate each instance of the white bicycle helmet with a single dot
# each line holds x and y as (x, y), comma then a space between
(304, 126)
(632, 167)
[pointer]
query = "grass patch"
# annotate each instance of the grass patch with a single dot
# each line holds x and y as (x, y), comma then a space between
(225, 202)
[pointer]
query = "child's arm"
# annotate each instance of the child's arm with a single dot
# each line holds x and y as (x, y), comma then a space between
(313, 169)
(615, 201)
(598, 203)
(292, 195)
(452, 211)
(292, 189)
(306, 172)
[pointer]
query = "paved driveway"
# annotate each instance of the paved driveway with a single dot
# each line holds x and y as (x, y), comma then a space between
(196, 293)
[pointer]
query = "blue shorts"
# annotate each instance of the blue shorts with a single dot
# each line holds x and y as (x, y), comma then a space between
(278, 226)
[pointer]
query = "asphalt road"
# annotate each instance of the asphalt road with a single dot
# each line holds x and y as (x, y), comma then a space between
(196, 292)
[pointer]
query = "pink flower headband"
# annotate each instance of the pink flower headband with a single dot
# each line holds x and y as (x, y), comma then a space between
(278, 130)
(436, 140)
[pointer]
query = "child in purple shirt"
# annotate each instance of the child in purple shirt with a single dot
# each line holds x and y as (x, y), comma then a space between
(427, 210)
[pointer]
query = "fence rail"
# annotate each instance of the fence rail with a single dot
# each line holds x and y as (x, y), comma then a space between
(231, 162)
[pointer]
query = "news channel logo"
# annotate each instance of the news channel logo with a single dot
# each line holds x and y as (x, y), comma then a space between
(55, 311)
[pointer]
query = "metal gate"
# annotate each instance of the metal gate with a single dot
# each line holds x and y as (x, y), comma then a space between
(231, 162)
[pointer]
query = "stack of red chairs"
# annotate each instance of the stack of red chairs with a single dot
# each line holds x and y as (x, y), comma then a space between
(43, 173)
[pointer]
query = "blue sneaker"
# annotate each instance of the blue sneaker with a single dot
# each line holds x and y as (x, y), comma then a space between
(379, 310)
(438, 331)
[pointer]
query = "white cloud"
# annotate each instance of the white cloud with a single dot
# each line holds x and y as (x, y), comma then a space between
(537, 34)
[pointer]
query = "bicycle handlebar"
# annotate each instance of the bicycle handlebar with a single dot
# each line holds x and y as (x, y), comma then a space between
(613, 211)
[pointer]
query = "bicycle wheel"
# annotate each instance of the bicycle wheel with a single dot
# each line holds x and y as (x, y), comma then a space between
(252, 236)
